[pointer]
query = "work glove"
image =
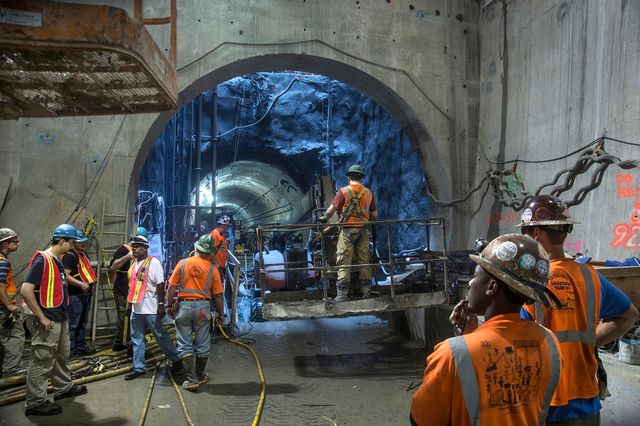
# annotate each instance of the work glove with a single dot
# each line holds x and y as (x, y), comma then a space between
(323, 219)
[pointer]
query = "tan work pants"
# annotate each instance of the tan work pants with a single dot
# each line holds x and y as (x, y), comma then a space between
(12, 340)
(49, 357)
(353, 249)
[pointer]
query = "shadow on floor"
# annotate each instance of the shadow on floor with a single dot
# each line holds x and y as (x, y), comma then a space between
(75, 413)
(392, 358)
(248, 389)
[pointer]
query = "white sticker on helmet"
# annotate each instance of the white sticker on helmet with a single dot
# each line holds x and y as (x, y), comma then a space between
(527, 215)
(542, 267)
(506, 251)
(527, 261)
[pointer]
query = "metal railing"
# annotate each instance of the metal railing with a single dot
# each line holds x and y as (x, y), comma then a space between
(322, 229)
(234, 281)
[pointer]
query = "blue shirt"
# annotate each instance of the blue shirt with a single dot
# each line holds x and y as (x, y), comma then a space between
(613, 303)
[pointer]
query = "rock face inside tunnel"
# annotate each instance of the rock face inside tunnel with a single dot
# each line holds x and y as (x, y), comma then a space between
(307, 126)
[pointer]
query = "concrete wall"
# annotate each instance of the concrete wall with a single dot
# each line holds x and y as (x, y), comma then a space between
(417, 59)
(534, 79)
(555, 75)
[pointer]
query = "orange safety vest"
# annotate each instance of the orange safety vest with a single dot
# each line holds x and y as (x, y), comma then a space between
(503, 373)
(10, 285)
(85, 271)
(577, 286)
(222, 246)
(138, 281)
(192, 285)
(357, 201)
(52, 283)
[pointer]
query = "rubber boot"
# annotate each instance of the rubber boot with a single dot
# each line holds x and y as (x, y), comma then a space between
(189, 363)
(201, 364)
(365, 288)
(177, 367)
(342, 292)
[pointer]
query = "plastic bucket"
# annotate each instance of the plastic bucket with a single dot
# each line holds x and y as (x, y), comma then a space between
(629, 351)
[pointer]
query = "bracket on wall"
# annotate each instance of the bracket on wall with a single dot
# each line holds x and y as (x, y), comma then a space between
(62, 59)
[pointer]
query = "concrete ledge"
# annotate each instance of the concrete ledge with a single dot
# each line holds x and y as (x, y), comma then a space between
(319, 309)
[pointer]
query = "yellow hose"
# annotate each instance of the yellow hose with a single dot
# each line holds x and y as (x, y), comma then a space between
(145, 407)
(263, 382)
(21, 395)
(187, 417)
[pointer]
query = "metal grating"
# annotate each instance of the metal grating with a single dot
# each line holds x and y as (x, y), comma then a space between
(60, 59)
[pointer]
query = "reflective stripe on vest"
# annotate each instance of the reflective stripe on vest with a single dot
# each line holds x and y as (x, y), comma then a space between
(10, 285)
(466, 377)
(85, 271)
(588, 336)
(469, 382)
(138, 281)
(52, 283)
(555, 373)
(208, 282)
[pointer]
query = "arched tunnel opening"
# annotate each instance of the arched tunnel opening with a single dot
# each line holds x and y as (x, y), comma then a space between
(278, 146)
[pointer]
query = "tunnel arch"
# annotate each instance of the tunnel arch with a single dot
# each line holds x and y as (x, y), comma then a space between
(247, 189)
(424, 145)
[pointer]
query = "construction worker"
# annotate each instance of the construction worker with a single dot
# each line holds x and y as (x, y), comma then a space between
(355, 205)
(146, 301)
(199, 284)
(119, 265)
(219, 235)
(49, 325)
(593, 312)
(81, 280)
(505, 370)
(11, 324)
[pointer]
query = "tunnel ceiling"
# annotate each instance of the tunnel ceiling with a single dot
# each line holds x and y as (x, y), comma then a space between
(253, 192)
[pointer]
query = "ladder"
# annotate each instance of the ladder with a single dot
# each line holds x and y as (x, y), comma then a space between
(113, 233)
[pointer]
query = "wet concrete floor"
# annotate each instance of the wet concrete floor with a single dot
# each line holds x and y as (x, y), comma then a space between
(347, 371)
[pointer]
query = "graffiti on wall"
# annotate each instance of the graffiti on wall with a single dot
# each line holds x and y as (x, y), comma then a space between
(626, 234)
(573, 247)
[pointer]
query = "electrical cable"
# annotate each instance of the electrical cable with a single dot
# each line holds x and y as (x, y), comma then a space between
(549, 160)
(145, 406)
(98, 176)
(21, 394)
(263, 381)
(590, 157)
(620, 141)
(275, 100)
(187, 417)
(458, 200)
(94, 183)
(342, 52)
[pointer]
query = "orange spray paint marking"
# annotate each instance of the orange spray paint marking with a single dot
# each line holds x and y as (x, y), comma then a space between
(624, 179)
